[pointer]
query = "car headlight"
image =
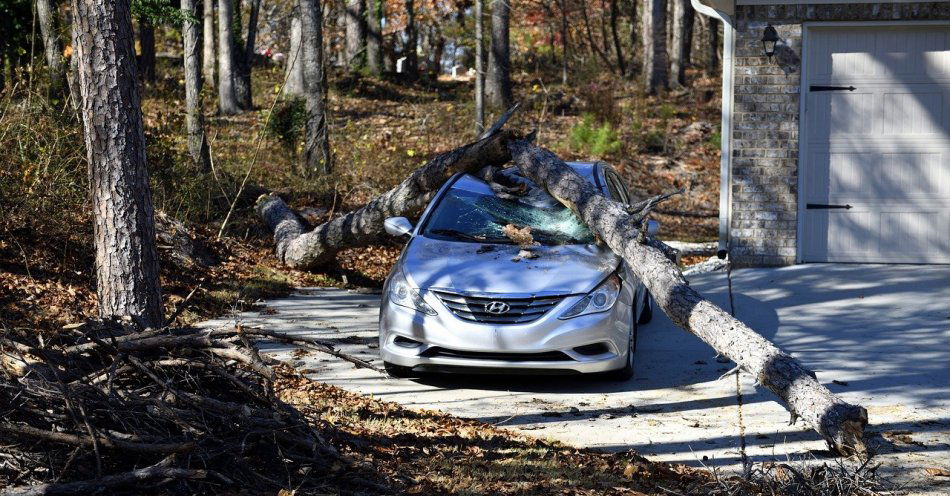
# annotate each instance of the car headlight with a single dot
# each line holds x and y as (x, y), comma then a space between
(403, 295)
(601, 299)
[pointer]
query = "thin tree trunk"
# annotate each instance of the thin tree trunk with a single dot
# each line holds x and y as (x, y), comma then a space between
(498, 87)
(479, 67)
(839, 423)
(147, 46)
(564, 41)
(712, 46)
(654, 45)
(635, 41)
(682, 37)
(227, 98)
(208, 56)
(244, 55)
(294, 69)
(355, 34)
(614, 15)
(594, 46)
(317, 159)
(374, 37)
(127, 277)
(305, 250)
(412, 41)
(194, 111)
(52, 48)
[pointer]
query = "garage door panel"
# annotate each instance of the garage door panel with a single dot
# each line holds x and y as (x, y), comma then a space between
(876, 160)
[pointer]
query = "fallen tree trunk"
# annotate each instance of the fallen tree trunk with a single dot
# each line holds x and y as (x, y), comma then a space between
(303, 250)
(839, 423)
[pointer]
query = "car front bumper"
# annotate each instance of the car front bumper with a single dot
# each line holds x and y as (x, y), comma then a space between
(446, 343)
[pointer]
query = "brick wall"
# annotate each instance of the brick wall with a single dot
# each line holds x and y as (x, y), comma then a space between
(765, 120)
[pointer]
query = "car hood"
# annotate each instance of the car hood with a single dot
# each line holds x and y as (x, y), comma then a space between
(474, 268)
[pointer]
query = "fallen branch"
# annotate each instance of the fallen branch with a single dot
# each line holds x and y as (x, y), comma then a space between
(839, 423)
(301, 249)
(161, 470)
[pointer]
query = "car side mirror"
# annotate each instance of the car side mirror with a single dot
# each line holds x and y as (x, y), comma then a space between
(653, 227)
(398, 226)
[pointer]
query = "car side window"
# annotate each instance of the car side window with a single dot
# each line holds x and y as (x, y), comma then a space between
(617, 189)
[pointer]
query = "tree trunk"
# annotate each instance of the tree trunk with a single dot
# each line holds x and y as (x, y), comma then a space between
(839, 423)
(52, 48)
(712, 46)
(355, 34)
(127, 277)
(244, 55)
(147, 46)
(498, 88)
(208, 58)
(479, 67)
(654, 45)
(304, 250)
(227, 98)
(194, 110)
(374, 37)
(618, 47)
(411, 66)
(316, 159)
(682, 38)
(294, 69)
(564, 41)
(635, 41)
(594, 46)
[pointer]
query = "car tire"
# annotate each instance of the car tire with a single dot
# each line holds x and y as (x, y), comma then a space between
(647, 314)
(397, 371)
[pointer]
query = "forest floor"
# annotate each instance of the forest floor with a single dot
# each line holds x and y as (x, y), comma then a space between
(381, 130)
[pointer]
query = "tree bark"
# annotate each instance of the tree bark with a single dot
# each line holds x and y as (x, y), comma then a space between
(244, 55)
(618, 47)
(712, 46)
(147, 46)
(52, 48)
(317, 159)
(294, 70)
(208, 58)
(411, 66)
(479, 67)
(127, 277)
(374, 37)
(839, 423)
(564, 41)
(682, 38)
(194, 110)
(355, 34)
(304, 250)
(654, 45)
(498, 89)
(227, 98)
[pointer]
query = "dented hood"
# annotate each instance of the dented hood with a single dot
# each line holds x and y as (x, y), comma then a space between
(474, 268)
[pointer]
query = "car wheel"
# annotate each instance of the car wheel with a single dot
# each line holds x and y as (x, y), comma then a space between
(397, 371)
(647, 314)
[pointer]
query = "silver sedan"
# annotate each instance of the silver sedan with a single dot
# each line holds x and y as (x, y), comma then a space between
(463, 297)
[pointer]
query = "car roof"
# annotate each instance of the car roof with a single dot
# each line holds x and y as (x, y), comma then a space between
(587, 170)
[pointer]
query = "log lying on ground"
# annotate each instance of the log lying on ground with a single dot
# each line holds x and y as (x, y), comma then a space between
(303, 250)
(839, 423)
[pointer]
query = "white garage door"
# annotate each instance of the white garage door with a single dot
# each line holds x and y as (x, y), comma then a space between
(876, 144)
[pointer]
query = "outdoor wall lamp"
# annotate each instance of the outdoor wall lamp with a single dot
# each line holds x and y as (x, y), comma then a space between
(769, 39)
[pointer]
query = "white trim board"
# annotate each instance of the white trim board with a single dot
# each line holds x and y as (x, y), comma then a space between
(820, 2)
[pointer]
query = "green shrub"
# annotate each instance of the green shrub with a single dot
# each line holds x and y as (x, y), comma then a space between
(714, 141)
(666, 111)
(594, 139)
(287, 122)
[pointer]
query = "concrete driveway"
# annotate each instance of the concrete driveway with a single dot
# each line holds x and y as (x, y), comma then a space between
(878, 335)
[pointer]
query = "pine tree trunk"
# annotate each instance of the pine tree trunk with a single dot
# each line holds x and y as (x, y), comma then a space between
(374, 37)
(498, 87)
(194, 111)
(839, 423)
(127, 277)
(227, 98)
(479, 67)
(355, 34)
(317, 159)
(411, 66)
(618, 47)
(147, 46)
(654, 45)
(208, 57)
(682, 38)
(294, 70)
(52, 48)
(305, 250)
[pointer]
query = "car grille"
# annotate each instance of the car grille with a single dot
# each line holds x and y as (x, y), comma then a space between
(520, 311)
(547, 356)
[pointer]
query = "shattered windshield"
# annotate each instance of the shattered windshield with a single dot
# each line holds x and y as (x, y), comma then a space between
(470, 211)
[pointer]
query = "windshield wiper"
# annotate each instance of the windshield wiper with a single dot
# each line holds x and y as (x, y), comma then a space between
(454, 233)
